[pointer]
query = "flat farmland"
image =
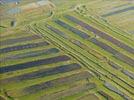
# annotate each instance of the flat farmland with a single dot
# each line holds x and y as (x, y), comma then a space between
(66, 50)
(34, 59)
(80, 39)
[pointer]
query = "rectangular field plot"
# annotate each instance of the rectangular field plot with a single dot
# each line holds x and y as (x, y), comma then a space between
(118, 11)
(60, 81)
(129, 74)
(30, 54)
(18, 40)
(16, 67)
(70, 91)
(21, 47)
(80, 33)
(105, 95)
(103, 45)
(114, 65)
(117, 54)
(42, 73)
(114, 89)
(57, 31)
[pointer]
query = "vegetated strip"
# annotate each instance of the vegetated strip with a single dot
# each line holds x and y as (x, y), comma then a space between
(118, 11)
(117, 54)
(57, 31)
(19, 40)
(68, 92)
(42, 73)
(26, 65)
(80, 33)
(21, 47)
(101, 34)
(111, 63)
(108, 97)
(129, 74)
(55, 82)
(114, 89)
(30, 54)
